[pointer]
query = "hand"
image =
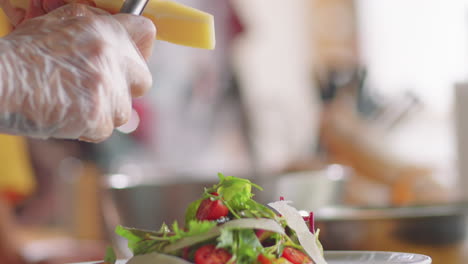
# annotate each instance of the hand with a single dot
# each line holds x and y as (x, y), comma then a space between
(36, 8)
(72, 73)
(15, 15)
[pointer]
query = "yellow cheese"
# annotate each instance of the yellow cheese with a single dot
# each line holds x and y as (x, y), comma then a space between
(176, 23)
(182, 25)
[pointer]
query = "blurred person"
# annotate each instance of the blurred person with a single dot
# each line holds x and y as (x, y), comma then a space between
(66, 73)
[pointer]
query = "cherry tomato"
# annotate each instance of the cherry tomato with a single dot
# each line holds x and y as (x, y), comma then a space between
(295, 256)
(209, 254)
(263, 260)
(264, 237)
(281, 261)
(211, 210)
(259, 233)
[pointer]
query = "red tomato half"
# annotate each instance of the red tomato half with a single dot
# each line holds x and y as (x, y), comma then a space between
(263, 260)
(209, 254)
(211, 210)
(295, 256)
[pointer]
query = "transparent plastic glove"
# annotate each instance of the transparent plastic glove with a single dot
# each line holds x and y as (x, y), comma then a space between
(72, 73)
(15, 15)
(36, 8)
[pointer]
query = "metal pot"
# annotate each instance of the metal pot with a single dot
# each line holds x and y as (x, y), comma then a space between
(148, 205)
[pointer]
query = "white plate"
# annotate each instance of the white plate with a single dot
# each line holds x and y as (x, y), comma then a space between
(374, 257)
(361, 257)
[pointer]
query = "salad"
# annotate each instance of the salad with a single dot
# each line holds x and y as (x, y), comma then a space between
(227, 226)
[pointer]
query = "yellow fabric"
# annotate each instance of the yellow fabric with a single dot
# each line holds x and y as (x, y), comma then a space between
(16, 174)
(5, 26)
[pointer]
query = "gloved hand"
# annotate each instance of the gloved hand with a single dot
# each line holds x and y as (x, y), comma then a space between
(72, 73)
(36, 8)
(15, 15)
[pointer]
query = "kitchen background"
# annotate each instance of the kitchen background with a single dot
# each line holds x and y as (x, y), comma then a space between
(351, 108)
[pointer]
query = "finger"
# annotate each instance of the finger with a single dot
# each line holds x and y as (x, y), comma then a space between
(101, 132)
(50, 5)
(75, 10)
(87, 139)
(141, 30)
(42, 7)
(34, 10)
(139, 78)
(15, 15)
(123, 110)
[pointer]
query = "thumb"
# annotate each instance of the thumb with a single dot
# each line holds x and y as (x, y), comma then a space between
(15, 15)
(75, 10)
(141, 30)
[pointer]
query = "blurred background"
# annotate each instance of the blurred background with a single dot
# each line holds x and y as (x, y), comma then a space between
(351, 108)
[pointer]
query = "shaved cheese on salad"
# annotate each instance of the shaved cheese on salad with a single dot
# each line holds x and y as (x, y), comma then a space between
(296, 222)
(188, 241)
(245, 223)
(251, 223)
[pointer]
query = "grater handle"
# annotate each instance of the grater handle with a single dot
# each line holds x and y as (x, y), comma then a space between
(134, 7)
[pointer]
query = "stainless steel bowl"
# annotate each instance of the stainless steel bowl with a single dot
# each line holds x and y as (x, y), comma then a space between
(308, 189)
(148, 205)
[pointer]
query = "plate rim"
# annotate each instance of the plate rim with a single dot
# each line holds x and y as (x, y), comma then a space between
(422, 257)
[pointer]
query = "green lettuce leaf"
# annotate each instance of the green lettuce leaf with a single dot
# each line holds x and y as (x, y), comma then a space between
(236, 194)
(194, 228)
(110, 257)
(143, 241)
(231, 187)
(242, 243)
(191, 211)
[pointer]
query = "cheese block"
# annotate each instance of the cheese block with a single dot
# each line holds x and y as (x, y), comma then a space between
(175, 22)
